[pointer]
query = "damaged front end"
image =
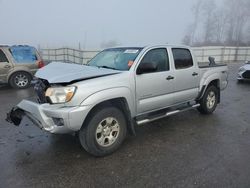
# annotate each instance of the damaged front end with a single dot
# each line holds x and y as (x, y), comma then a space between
(16, 114)
(40, 87)
(52, 111)
(54, 118)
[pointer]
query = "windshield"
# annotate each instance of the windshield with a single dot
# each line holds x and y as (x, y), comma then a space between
(25, 54)
(115, 58)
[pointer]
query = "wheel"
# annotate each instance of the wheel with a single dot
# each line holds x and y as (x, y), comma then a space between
(20, 80)
(104, 131)
(209, 100)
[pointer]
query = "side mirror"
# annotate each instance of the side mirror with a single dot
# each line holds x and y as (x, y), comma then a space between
(146, 68)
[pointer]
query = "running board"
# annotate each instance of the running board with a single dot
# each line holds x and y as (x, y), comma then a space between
(148, 120)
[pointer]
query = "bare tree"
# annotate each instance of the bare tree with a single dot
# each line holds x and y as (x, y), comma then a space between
(208, 8)
(186, 39)
(247, 35)
(228, 24)
(220, 25)
(196, 9)
(237, 12)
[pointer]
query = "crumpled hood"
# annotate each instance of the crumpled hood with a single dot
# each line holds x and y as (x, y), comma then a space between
(59, 72)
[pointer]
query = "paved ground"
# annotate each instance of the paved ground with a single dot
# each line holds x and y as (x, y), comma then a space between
(185, 150)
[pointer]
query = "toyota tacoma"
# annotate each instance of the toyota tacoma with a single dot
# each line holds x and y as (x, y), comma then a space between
(119, 89)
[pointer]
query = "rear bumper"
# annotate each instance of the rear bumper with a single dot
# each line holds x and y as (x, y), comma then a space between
(52, 118)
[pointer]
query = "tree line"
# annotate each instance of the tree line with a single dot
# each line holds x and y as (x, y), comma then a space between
(227, 23)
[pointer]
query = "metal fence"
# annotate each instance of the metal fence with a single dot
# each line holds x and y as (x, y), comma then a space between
(69, 55)
(221, 54)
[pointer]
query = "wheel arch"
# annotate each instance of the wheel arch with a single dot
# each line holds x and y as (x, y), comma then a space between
(16, 71)
(122, 104)
(216, 83)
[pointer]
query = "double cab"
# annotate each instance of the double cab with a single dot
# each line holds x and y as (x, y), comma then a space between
(119, 89)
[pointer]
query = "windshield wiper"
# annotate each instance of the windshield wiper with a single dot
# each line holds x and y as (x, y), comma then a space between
(107, 67)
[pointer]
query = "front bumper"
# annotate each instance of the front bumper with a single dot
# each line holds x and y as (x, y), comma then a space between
(239, 77)
(52, 118)
(245, 75)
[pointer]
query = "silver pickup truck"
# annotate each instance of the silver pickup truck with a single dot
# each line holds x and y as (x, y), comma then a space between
(119, 89)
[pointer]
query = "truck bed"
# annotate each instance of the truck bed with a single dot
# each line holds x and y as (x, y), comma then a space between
(206, 65)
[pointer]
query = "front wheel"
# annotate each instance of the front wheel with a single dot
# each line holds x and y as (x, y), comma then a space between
(104, 131)
(209, 100)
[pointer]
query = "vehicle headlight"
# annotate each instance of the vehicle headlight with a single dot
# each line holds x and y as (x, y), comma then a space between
(242, 69)
(60, 94)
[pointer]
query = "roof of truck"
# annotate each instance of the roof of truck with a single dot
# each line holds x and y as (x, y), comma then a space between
(152, 46)
(167, 45)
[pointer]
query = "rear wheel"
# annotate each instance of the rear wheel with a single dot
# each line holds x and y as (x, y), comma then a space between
(104, 131)
(20, 80)
(209, 100)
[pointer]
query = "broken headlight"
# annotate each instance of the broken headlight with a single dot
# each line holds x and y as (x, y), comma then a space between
(60, 94)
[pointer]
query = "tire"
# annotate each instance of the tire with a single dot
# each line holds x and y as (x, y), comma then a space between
(20, 80)
(103, 132)
(209, 101)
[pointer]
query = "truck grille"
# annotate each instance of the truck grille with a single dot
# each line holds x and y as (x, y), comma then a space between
(40, 87)
(246, 74)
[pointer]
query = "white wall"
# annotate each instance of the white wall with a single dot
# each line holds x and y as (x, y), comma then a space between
(220, 53)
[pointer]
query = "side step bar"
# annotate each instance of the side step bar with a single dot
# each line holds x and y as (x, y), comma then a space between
(148, 120)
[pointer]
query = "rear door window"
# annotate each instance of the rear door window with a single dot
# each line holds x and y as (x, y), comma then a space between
(3, 57)
(182, 58)
(23, 54)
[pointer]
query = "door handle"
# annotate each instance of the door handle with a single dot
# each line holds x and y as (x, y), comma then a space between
(195, 74)
(6, 66)
(170, 78)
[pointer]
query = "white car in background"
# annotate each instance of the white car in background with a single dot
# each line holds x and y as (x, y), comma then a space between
(244, 72)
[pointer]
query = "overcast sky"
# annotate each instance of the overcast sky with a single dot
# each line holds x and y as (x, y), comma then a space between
(56, 23)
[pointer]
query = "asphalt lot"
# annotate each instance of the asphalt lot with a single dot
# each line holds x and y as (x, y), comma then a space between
(185, 150)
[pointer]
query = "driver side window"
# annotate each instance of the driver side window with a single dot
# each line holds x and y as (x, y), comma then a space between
(159, 57)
